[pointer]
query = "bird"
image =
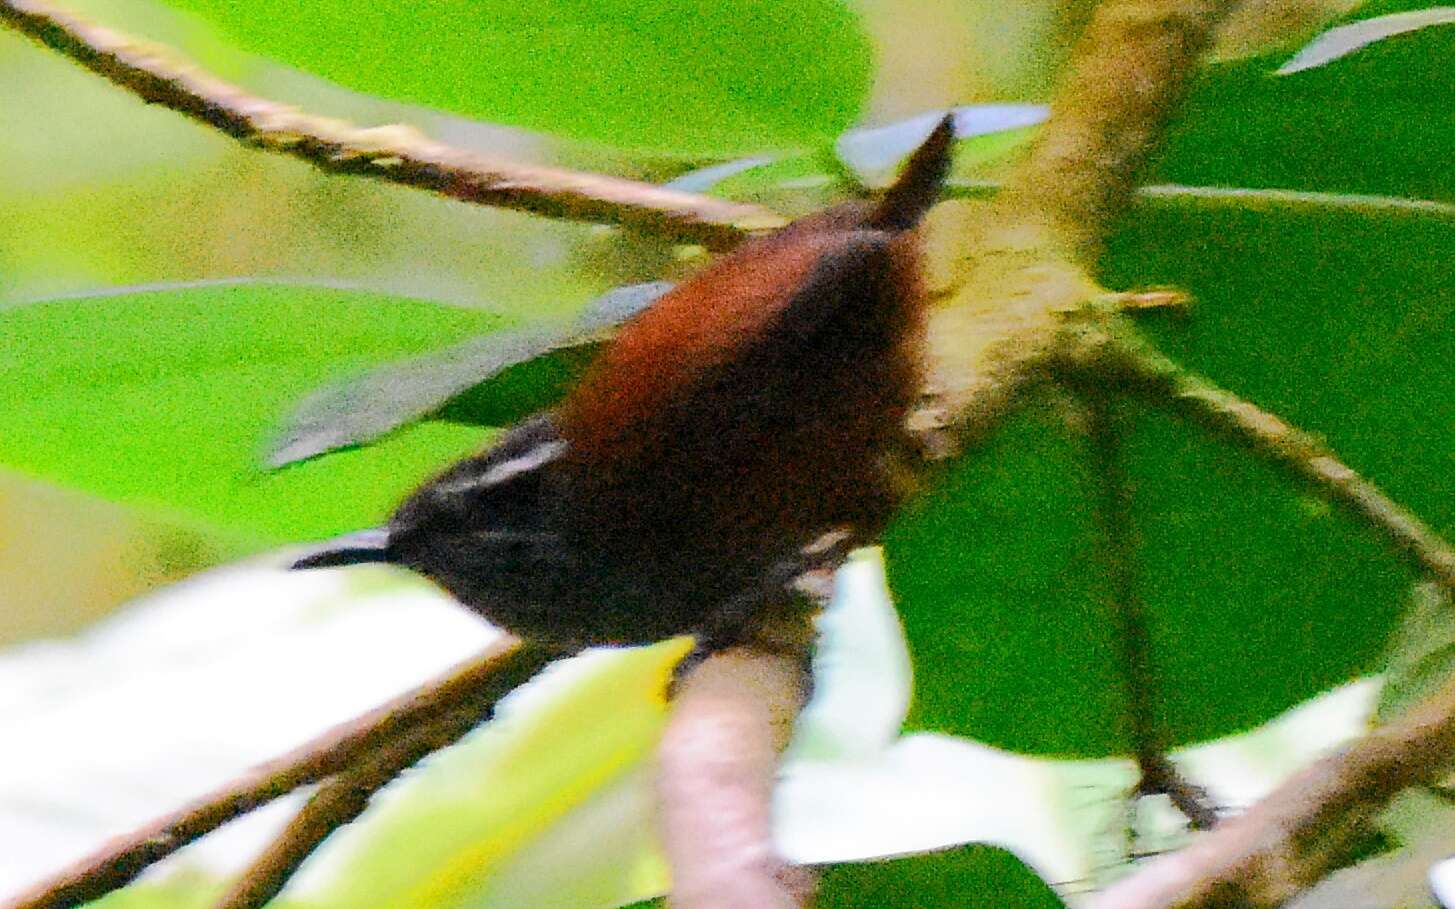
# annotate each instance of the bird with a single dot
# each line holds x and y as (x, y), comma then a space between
(744, 429)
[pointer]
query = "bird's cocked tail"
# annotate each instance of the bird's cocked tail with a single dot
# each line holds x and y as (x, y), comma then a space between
(919, 183)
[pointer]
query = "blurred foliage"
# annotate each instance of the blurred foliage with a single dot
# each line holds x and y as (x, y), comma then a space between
(547, 753)
(1007, 542)
(1260, 595)
(163, 400)
(1421, 655)
(714, 78)
(971, 877)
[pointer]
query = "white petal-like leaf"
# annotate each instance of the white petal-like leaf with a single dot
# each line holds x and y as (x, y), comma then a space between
(1346, 39)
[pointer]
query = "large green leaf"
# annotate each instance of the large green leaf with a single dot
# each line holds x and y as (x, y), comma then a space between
(669, 75)
(164, 399)
(968, 877)
(1259, 594)
(1354, 125)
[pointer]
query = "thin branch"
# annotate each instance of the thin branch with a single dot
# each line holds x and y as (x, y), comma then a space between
(1300, 833)
(1125, 354)
(1177, 196)
(1118, 544)
(120, 860)
(1161, 776)
(1273, 201)
(338, 801)
(343, 797)
(395, 154)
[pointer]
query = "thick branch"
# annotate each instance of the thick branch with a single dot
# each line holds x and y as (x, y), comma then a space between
(1302, 831)
(1011, 267)
(344, 797)
(123, 858)
(396, 154)
(1130, 73)
(732, 714)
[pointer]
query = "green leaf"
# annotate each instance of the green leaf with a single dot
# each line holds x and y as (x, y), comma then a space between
(363, 408)
(1421, 657)
(972, 876)
(666, 75)
(450, 836)
(1259, 594)
(1346, 39)
(1357, 127)
(163, 400)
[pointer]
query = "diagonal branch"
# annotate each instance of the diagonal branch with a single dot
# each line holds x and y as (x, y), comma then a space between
(1301, 832)
(395, 154)
(1125, 355)
(343, 797)
(1133, 67)
(120, 860)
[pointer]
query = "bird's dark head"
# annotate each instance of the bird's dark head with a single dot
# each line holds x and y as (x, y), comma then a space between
(484, 530)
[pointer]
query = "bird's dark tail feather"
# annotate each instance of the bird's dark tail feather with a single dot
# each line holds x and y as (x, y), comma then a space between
(363, 547)
(918, 186)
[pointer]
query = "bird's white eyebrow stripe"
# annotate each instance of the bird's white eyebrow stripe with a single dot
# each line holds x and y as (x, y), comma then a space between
(525, 463)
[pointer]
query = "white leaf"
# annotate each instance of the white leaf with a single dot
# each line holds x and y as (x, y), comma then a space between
(1442, 882)
(1346, 39)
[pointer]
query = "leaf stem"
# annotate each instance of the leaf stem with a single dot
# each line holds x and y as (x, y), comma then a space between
(1119, 546)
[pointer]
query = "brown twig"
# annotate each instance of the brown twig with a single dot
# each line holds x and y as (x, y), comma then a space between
(338, 801)
(1118, 543)
(344, 796)
(1125, 355)
(396, 154)
(1301, 832)
(1162, 777)
(120, 860)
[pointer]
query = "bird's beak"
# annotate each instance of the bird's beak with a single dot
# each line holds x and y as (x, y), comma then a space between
(359, 548)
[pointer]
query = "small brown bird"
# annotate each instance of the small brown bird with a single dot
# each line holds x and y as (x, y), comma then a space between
(750, 411)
